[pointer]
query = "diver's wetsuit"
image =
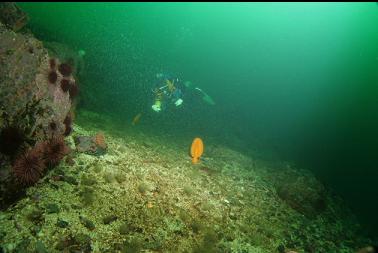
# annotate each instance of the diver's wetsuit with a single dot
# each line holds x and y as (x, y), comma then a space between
(162, 91)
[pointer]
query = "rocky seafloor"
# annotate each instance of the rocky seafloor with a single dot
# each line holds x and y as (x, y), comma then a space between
(123, 189)
(145, 195)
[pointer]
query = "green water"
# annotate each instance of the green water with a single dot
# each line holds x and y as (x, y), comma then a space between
(298, 81)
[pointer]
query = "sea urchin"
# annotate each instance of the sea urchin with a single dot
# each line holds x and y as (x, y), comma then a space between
(65, 69)
(74, 90)
(52, 76)
(68, 120)
(67, 131)
(29, 166)
(53, 126)
(52, 63)
(67, 123)
(65, 85)
(55, 150)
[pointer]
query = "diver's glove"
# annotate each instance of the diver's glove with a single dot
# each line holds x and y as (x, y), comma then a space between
(156, 108)
(179, 102)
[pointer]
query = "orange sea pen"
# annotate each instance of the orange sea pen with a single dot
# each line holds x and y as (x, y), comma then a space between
(196, 150)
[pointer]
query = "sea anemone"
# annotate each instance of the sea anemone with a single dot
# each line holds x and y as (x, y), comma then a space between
(52, 76)
(65, 85)
(29, 166)
(74, 90)
(52, 63)
(65, 69)
(54, 151)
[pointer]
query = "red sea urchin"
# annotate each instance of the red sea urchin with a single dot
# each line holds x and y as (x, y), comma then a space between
(68, 120)
(65, 69)
(74, 90)
(67, 131)
(53, 126)
(52, 63)
(52, 76)
(65, 85)
(55, 150)
(67, 123)
(29, 166)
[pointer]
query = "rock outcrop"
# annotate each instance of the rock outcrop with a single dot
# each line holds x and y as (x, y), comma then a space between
(36, 93)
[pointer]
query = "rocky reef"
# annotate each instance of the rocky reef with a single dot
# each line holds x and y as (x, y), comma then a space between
(36, 94)
(95, 145)
(301, 191)
(12, 16)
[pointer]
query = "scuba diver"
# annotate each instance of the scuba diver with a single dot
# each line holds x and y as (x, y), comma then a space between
(167, 89)
(170, 89)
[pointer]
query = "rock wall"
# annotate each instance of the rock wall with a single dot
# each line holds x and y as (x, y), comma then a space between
(36, 94)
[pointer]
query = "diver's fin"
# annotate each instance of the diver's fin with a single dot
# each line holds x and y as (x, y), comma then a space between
(208, 100)
(206, 97)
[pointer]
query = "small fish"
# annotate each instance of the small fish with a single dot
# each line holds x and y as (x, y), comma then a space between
(136, 119)
(196, 150)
